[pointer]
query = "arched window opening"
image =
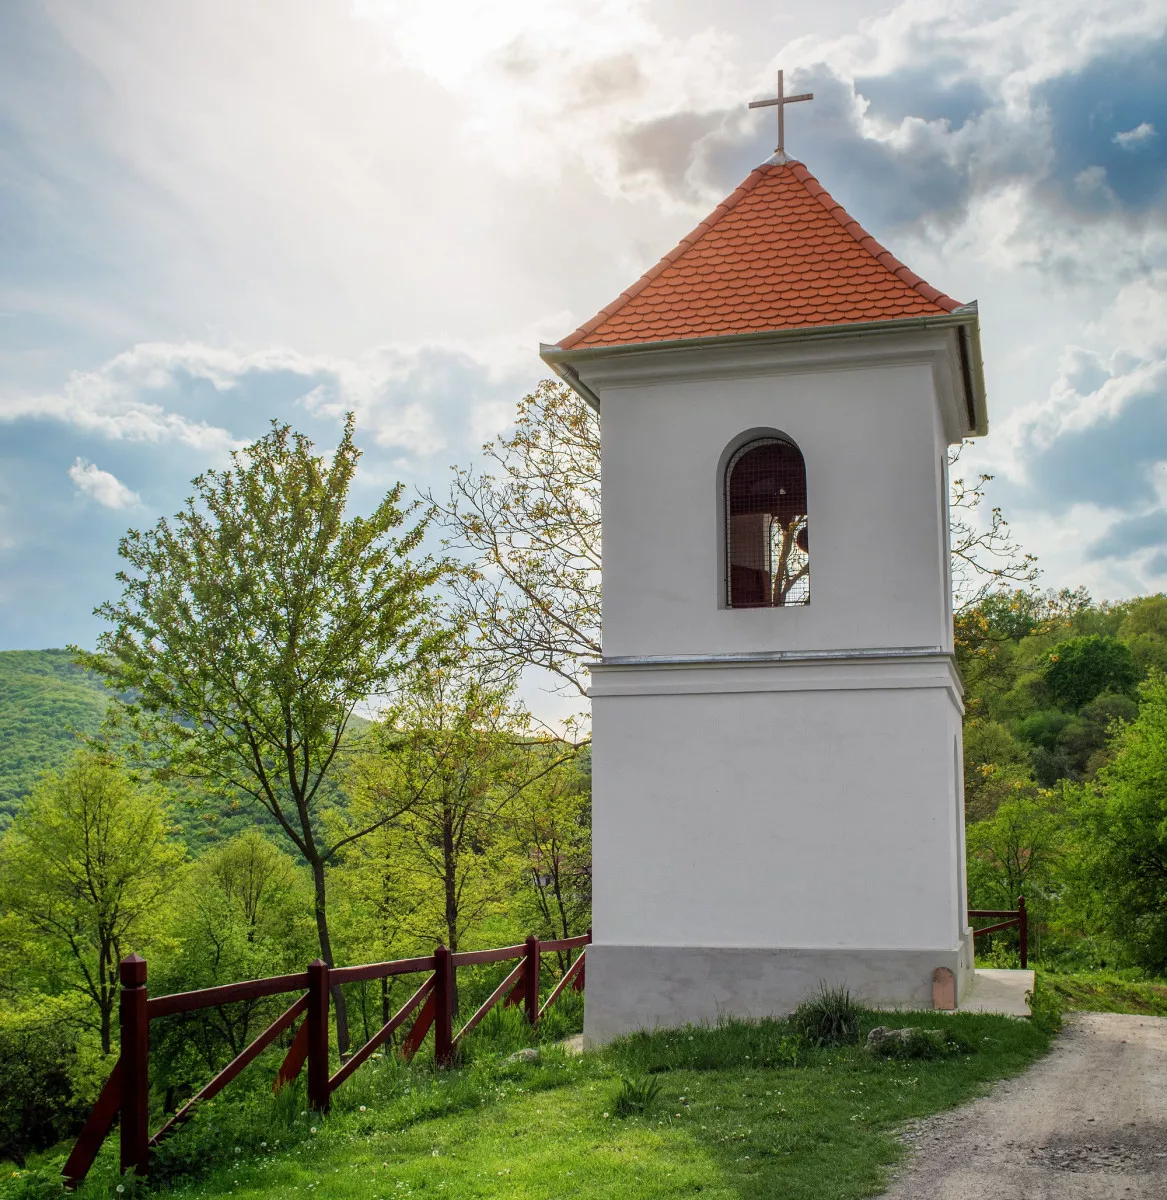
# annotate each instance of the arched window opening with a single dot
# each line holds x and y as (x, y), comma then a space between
(766, 549)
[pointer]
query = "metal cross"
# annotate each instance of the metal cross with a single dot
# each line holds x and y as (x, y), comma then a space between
(781, 101)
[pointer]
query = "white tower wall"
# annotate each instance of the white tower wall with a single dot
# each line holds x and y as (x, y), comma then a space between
(776, 791)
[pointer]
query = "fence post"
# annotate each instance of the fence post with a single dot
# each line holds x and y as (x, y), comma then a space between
(1023, 926)
(134, 1023)
(578, 983)
(531, 981)
(443, 1006)
(318, 1001)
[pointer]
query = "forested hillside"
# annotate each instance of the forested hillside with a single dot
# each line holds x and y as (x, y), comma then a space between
(45, 702)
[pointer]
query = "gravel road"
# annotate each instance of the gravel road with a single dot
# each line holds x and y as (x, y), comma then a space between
(1088, 1121)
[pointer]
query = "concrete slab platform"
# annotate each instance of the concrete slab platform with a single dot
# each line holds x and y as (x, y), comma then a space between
(1000, 992)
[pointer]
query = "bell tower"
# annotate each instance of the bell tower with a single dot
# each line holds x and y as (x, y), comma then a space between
(777, 760)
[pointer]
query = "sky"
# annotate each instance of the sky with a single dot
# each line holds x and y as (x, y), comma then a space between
(217, 212)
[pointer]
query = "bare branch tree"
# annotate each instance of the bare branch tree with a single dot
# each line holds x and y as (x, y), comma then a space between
(985, 558)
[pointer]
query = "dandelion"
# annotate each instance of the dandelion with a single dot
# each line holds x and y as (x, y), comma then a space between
(238, 1150)
(362, 1108)
(121, 1187)
(605, 1114)
(312, 1130)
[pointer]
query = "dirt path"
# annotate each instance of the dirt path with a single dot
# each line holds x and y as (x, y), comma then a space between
(1089, 1121)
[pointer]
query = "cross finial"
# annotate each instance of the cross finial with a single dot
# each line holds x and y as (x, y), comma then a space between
(781, 100)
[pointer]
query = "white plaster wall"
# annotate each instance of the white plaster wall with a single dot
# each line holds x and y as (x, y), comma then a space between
(876, 511)
(820, 818)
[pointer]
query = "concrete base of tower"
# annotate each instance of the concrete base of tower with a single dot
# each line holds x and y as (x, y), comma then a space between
(653, 987)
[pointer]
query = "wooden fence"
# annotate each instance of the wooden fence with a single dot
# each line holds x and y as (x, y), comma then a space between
(127, 1090)
(1018, 917)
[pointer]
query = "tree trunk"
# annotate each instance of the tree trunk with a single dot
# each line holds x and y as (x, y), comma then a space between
(449, 870)
(338, 1001)
(106, 997)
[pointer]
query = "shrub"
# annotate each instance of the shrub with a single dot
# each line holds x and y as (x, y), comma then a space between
(1044, 1007)
(43, 1183)
(830, 1017)
(37, 1102)
(636, 1096)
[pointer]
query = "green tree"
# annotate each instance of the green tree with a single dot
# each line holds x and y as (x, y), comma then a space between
(551, 825)
(1085, 667)
(39, 1104)
(1124, 843)
(242, 912)
(1015, 852)
(438, 776)
(996, 766)
(88, 868)
(252, 624)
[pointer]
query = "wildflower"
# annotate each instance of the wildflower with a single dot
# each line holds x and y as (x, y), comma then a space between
(312, 1130)
(121, 1187)
(605, 1114)
(362, 1108)
(238, 1150)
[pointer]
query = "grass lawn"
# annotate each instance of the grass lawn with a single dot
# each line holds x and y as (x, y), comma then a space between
(744, 1110)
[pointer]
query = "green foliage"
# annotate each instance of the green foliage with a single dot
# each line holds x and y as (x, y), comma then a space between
(243, 911)
(829, 1017)
(450, 783)
(40, 1183)
(86, 870)
(638, 1095)
(1017, 851)
(1085, 667)
(1045, 1007)
(46, 702)
(1124, 817)
(38, 1103)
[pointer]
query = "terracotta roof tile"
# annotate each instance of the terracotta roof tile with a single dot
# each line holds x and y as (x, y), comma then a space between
(779, 253)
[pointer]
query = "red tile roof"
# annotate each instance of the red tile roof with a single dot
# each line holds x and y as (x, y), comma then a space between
(779, 253)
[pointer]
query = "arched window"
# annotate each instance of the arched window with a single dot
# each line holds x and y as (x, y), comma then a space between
(767, 564)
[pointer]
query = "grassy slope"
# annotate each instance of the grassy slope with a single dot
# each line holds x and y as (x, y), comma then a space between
(45, 701)
(1106, 991)
(738, 1119)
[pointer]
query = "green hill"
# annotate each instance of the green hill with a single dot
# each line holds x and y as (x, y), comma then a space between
(45, 702)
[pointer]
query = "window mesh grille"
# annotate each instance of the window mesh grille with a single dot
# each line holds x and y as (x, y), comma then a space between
(767, 559)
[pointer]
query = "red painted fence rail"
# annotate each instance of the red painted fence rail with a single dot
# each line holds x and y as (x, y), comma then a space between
(127, 1090)
(1017, 916)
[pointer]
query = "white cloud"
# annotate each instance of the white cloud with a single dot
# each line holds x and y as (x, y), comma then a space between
(1139, 136)
(417, 402)
(100, 486)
